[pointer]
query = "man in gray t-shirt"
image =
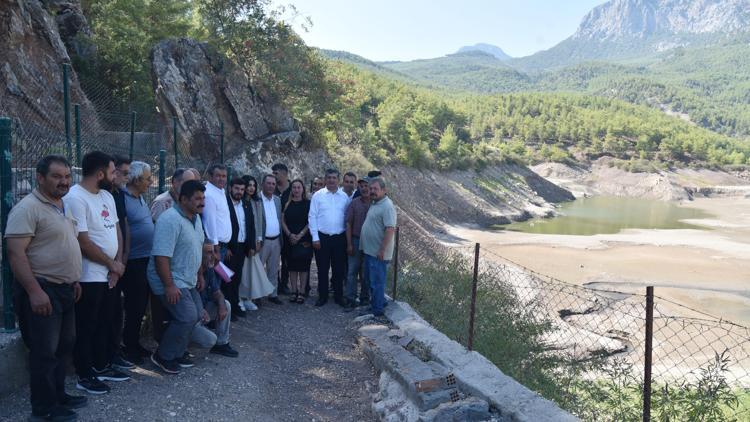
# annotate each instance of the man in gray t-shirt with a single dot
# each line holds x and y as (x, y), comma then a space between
(376, 241)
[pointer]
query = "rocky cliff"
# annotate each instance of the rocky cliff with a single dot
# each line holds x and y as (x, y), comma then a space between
(643, 18)
(31, 59)
(202, 90)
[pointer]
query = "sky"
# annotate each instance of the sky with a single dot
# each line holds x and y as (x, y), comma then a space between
(383, 30)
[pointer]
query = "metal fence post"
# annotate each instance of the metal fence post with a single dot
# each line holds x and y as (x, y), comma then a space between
(6, 202)
(473, 309)
(77, 113)
(174, 138)
(649, 352)
(132, 133)
(395, 264)
(162, 170)
(66, 110)
(221, 141)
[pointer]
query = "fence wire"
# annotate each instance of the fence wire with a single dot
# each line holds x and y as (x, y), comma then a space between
(581, 347)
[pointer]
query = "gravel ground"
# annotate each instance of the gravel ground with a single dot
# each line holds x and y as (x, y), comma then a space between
(296, 363)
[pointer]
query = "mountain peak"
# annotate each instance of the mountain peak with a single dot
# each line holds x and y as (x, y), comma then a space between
(490, 49)
(618, 19)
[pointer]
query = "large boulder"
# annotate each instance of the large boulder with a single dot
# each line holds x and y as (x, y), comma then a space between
(203, 89)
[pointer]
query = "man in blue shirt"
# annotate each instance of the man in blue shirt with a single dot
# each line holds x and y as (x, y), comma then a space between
(174, 270)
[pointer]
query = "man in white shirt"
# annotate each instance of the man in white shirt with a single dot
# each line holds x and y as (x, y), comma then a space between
(216, 218)
(99, 236)
(326, 220)
(270, 252)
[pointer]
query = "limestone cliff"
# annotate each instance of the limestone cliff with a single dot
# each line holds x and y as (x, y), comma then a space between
(31, 59)
(202, 89)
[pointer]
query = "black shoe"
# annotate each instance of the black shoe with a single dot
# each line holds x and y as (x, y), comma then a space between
(240, 313)
(364, 302)
(57, 414)
(74, 402)
(122, 364)
(275, 300)
(340, 302)
(381, 319)
(233, 317)
(225, 350)
(110, 374)
(185, 361)
(168, 366)
(321, 302)
(92, 385)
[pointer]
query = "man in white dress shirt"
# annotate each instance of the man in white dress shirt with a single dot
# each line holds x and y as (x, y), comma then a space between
(326, 220)
(216, 219)
(270, 251)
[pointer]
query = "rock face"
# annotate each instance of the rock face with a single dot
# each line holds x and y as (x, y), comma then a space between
(643, 18)
(203, 90)
(73, 26)
(31, 59)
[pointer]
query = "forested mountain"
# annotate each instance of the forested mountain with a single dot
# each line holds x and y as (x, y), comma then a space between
(690, 57)
(493, 50)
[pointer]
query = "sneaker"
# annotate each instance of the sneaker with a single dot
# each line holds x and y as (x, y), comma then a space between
(168, 366)
(122, 364)
(275, 300)
(250, 306)
(73, 402)
(57, 414)
(241, 313)
(225, 350)
(110, 374)
(241, 305)
(92, 385)
(185, 361)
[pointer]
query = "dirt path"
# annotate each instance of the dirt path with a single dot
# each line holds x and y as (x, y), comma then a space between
(297, 363)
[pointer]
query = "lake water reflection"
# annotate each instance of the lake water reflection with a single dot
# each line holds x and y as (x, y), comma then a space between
(609, 215)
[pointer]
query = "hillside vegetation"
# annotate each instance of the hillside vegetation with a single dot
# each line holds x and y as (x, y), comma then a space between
(391, 120)
(709, 83)
(384, 113)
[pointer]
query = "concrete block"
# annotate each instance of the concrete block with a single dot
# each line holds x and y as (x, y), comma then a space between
(424, 384)
(476, 375)
(13, 363)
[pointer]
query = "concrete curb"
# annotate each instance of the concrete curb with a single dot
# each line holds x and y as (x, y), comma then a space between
(476, 375)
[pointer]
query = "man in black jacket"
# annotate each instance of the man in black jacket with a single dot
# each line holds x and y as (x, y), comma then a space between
(241, 243)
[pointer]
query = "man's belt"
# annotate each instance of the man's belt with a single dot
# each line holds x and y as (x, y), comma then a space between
(273, 237)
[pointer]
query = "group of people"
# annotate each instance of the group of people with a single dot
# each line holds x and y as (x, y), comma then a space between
(88, 259)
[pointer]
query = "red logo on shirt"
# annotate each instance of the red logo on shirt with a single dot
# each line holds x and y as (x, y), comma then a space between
(105, 213)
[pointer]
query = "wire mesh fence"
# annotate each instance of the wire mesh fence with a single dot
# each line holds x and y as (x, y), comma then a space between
(582, 347)
(99, 121)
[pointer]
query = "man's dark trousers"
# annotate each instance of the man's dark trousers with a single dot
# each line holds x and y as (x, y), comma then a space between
(136, 291)
(93, 328)
(331, 255)
(113, 305)
(231, 290)
(50, 340)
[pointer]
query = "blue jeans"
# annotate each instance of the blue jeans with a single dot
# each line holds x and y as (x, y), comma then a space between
(356, 271)
(185, 314)
(375, 272)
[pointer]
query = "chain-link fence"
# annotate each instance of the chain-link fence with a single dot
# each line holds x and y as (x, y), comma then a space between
(81, 124)
(584, 348)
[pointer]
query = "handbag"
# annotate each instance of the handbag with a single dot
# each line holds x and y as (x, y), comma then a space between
(301, 250)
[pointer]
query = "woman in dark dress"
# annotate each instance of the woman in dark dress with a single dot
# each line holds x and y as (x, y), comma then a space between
(294, 224)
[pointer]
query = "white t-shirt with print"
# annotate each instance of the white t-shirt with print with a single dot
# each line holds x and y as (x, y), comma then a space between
(97, 215)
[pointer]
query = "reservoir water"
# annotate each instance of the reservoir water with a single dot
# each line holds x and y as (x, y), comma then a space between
(609, 215)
